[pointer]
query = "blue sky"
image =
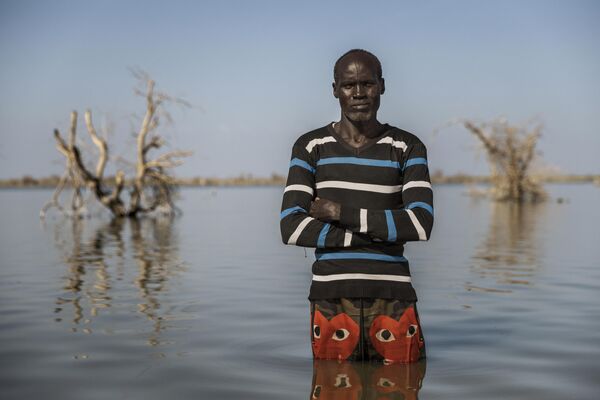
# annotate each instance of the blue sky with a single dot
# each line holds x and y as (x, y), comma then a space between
(259, 75)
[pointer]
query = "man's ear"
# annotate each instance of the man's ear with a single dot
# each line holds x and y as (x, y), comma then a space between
(382, 81)
(335, 91)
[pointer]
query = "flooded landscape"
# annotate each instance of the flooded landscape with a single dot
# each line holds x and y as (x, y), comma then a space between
(211, 304)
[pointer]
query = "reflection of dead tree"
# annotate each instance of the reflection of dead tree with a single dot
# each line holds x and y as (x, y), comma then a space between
(98, 276)
(509, 253)
(156, 265)
(510, 151)
(88, 281)
(152, 187)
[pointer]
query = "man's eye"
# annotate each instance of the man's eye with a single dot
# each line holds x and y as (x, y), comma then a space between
(347, 86)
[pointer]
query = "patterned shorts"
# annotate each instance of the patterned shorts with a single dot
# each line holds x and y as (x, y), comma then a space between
(366, 329)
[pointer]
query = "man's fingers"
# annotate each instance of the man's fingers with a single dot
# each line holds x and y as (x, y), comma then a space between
(315, 209)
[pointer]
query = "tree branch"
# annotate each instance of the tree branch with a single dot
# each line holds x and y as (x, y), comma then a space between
(100, 144)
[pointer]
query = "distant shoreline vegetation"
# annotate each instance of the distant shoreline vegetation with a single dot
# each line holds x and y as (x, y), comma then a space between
(279, 180)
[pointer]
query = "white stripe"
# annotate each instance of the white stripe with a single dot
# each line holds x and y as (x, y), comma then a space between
(417, 224)
(299, 230)
(301, 188)
(395, 143)
(415, 184)
(372, 277)
(314, 142)
(363, 220)
(359, 186)
(347, 238)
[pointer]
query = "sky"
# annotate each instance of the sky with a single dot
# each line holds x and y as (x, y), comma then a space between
(258, 75)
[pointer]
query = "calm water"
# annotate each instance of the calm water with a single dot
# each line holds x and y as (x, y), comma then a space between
(212, 305)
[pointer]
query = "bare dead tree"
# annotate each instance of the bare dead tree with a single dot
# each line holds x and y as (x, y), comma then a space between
(151, 188)
(510, 151)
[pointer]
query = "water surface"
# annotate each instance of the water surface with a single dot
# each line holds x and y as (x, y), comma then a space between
(212, 305)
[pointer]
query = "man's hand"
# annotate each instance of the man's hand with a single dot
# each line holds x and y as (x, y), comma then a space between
(325, 210)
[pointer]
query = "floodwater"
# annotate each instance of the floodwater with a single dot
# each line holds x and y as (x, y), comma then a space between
(212, 305)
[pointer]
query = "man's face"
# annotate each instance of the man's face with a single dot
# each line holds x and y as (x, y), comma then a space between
(358, 88)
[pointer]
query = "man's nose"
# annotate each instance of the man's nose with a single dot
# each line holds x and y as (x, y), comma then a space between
(359, 91)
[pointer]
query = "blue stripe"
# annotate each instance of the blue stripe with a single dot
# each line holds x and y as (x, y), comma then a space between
(292, 210)
(323, 235)
(415, 161)
(359, 256)
(420, 204)
(303, 164)
(359, 161)
(391, 226)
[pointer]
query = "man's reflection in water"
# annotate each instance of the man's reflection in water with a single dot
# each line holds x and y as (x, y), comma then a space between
(99, 270)
(365, 381)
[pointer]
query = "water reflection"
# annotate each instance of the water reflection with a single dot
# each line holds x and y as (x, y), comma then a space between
(99, 280)
(509, 253)
(348, 380)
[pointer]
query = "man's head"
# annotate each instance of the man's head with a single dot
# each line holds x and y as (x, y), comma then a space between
(358, 84)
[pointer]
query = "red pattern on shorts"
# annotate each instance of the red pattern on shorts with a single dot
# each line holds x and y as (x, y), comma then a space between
(366, 329)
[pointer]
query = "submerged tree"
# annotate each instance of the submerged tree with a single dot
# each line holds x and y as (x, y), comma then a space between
(510, 150)
(151, 188)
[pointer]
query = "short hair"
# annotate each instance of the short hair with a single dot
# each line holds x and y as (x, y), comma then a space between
(359, 51)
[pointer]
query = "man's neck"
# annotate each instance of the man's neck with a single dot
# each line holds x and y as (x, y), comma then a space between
(357, 132)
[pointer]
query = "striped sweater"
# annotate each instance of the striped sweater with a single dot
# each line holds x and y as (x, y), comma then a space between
(386, 200)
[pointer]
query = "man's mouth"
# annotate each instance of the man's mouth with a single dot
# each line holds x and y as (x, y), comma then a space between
(360, 106)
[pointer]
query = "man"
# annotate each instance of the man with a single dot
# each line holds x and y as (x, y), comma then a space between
(357, 190)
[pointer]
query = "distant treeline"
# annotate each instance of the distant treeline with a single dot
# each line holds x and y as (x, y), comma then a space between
(278, 180)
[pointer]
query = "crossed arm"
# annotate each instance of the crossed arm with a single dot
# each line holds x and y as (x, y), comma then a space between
(298, 226)
(314, 222)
